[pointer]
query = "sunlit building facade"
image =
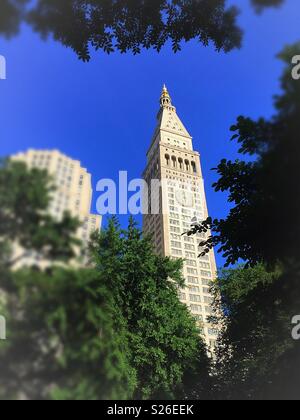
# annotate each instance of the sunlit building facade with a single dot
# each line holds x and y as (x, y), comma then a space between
(180, 202)
(73, 188)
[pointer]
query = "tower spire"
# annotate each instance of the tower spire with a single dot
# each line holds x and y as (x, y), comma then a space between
(167, 117)
(165, 99)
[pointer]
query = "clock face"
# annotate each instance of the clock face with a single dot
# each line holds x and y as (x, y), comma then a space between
(184, 198)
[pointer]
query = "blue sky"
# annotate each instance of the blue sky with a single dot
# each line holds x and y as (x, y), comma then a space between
(52, 100)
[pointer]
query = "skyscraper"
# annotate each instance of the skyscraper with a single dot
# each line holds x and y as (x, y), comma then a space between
(179, 203)
(73, 191)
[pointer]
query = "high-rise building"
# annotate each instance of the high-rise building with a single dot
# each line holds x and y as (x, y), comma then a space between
(179, 203)
(73, 188)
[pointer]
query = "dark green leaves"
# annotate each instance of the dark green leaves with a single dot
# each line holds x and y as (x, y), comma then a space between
(24, 201)
(263, 188)
(126, 25)
(12, 12)
(115, 331)
(164, 342)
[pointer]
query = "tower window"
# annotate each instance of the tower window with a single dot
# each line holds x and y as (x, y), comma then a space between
(194, 167)
(187, 165)
(174, 161)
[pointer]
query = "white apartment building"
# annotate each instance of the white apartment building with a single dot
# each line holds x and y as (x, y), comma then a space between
(73, 188)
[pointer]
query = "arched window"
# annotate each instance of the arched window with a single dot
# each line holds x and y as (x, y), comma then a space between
(167, 160)
(194, 168)
(180, 161)
(174, 161)
(187, 165)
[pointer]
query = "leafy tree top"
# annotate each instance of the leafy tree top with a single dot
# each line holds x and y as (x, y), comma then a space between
(128, 25)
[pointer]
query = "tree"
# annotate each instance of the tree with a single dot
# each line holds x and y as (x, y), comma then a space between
(12, 12)
(165, 345)
(128, 25)
(264, 224)
(32, 364)
(66, 341)
(67, 344)
(116, 330)
(256, 355)
(24, 200)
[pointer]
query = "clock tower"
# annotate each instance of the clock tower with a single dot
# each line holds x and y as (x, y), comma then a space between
(175, 206)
